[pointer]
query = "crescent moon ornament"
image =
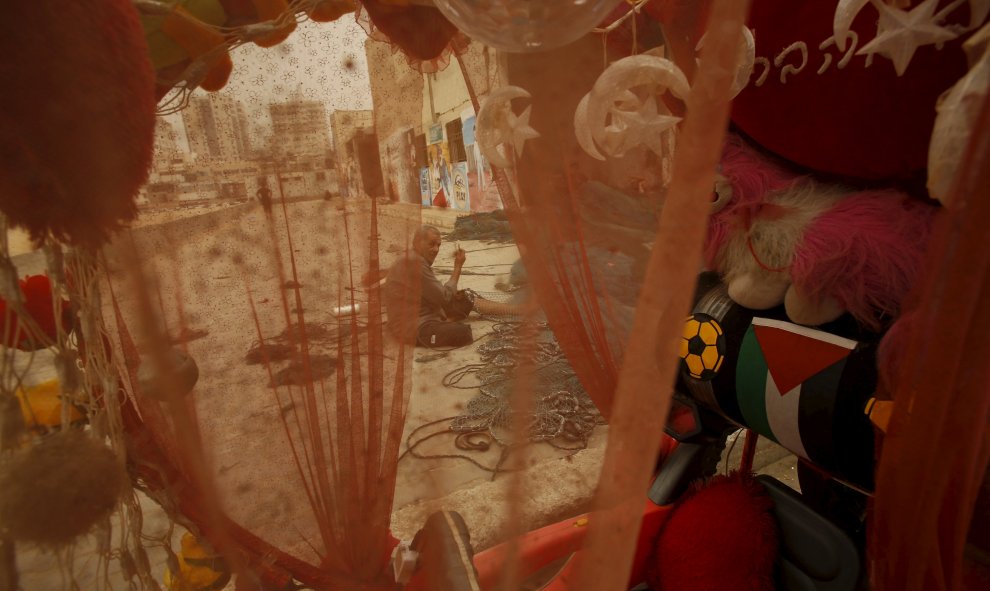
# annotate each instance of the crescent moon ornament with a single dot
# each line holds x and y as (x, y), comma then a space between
(745, 59)
(500, 129)
(845, 13)
(583, 132)
(613, 119)
(627, 101)
(956, 120)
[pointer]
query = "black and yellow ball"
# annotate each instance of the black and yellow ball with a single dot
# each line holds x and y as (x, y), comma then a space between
(702, 348)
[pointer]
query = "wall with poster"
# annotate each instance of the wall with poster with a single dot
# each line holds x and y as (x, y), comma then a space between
(460, 187)
(425, 189)
(441, 178)
(483, 194)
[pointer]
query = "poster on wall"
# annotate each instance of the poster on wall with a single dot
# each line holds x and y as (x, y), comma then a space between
(441, 181)
(436, 134)
(426, 195)
(462, 199)
(481, 184)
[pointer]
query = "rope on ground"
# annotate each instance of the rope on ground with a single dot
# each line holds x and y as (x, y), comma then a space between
(563, 416)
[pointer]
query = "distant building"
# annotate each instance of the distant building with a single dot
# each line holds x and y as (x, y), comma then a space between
(216, 128)
(426, 124)
(232, 159)
(167, 151)
(299, 129)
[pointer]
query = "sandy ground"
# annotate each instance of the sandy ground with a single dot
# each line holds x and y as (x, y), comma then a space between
(213, 266)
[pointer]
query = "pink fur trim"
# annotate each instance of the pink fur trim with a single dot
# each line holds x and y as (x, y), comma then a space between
(752, 177)
(865, 252)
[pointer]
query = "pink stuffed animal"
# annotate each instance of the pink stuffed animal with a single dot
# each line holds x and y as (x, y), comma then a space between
(821, 249)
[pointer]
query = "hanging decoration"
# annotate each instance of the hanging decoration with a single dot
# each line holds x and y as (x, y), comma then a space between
(818, 248)
(421, 32)
(624, 109)
(955, 123)
(524, 25)
(190, 41)
(745, 61)
(76, 137)
(901, 31)
(811, 81)
(500, 130)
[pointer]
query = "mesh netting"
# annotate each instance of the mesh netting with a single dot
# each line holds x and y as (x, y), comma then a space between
(231, 349)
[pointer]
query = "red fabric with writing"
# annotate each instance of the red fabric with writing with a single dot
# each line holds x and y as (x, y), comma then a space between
(860, 122)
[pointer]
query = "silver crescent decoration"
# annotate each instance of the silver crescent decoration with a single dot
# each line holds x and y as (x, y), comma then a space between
(627, 101)
(956, 120)
(499, 128)
(612, 118)
(745, 59)
(845, 12)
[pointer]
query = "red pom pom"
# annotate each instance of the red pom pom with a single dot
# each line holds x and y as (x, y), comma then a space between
(77, 122)
(723, 536)
(37, 290)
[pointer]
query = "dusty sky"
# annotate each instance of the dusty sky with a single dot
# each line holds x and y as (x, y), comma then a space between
(319, 61)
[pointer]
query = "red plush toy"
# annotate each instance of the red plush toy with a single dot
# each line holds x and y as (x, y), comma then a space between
(821, 249)
(723, 536)
(77, 116)
(37, 290)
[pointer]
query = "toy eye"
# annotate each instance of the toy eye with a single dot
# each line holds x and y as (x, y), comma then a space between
(721, 195)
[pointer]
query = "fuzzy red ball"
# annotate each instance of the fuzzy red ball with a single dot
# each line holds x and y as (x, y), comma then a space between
(77, 116)
(722, 536)
(37, 290)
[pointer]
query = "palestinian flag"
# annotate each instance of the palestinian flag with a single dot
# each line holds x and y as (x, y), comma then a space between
(787, 380)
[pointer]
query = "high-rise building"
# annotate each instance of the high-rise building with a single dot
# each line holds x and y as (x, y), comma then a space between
(216, 128)
(166, 143)
(299, 128)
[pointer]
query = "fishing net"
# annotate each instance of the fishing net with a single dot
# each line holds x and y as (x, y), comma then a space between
(235, 350)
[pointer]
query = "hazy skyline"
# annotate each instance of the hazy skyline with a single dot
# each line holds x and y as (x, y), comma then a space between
(320, 61)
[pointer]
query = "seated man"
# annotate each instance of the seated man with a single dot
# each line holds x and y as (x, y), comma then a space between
(426, 322)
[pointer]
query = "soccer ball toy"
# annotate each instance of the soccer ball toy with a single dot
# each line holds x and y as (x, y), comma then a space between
(702, 347)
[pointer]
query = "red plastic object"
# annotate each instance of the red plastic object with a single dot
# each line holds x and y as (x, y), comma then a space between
(553, 542)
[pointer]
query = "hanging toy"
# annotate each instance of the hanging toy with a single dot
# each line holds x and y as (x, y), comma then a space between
(958, 110)
(41, 406)
(178, 38)
(40, 307)
(59, 489)
(745, 60)
(820, 249)
(625, 108)
(722, 535)
(77, 120)
(330, 10)
(500, 130)
(198, 568)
